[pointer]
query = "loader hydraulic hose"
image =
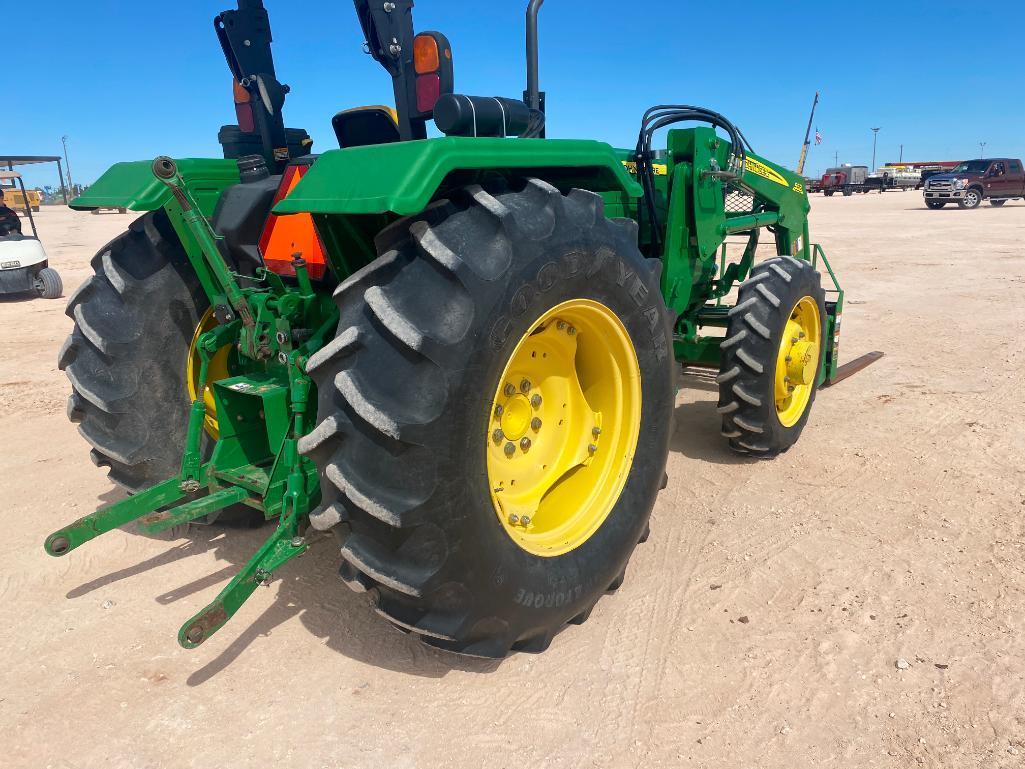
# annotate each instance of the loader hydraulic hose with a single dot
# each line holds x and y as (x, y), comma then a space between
(662, 116)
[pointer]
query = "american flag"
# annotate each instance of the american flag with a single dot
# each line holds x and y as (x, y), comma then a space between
(818, 137)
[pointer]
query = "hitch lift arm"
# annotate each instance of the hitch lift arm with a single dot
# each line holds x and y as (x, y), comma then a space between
(259, 465)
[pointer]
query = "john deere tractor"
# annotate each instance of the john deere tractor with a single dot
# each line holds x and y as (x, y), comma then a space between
(457, 353)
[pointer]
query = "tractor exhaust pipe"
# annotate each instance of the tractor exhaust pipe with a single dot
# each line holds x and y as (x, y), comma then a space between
(533, 89)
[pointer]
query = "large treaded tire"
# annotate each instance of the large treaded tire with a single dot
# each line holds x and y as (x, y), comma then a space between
(126, 357)
(748, 363)
(405, 394)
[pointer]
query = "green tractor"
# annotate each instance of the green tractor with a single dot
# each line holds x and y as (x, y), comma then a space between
(458, 354)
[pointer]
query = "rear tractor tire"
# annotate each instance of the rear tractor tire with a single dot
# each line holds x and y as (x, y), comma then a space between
(127, 354)
(771, 357)
(494, 416)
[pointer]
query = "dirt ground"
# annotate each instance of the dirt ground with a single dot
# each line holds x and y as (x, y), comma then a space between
(759, 626)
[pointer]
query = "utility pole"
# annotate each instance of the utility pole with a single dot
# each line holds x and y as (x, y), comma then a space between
(807, 136)
(67, 164)
(875, 135)
(982, 149)
(836, 158)
(901, 154)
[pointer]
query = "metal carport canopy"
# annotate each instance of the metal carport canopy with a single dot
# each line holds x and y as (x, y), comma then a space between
(10, 161)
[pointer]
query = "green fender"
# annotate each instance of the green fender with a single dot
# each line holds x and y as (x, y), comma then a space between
(133, 185)
(402, 178)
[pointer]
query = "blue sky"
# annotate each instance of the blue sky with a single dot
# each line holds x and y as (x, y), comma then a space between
(129, 81)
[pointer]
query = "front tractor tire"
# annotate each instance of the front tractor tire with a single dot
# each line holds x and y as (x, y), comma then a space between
(494, 416)
(771, 357)
(127, 354)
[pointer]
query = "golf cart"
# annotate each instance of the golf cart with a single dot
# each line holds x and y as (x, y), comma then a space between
(23, 263)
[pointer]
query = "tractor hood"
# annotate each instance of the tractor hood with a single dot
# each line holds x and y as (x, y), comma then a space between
(403, 177)
(950, 177)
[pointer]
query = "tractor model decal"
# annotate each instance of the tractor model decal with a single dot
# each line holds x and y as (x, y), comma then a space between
(631, 167)
(760, 169)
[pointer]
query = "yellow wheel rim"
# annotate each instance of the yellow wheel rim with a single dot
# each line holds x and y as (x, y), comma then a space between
(563, 427)
(797, 362)
(217, 369)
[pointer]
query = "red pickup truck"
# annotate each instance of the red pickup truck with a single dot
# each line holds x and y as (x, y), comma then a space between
(969, 183)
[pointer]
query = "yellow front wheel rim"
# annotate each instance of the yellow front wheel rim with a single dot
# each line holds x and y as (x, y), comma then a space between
(797, 362)
(215, 370)
(563, 427)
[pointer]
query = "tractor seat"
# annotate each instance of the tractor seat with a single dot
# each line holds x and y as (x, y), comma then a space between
(364, 126)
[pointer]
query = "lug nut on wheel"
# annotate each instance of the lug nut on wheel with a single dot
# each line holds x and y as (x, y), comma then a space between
(535, 400)
(514, 519)
(535, 424)
(525, 520)
(596, 431)
(499, 410)
(509, 391)
(524, 443)
(592, 448)
(497, 435)
(510, 448)
(525, 386)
